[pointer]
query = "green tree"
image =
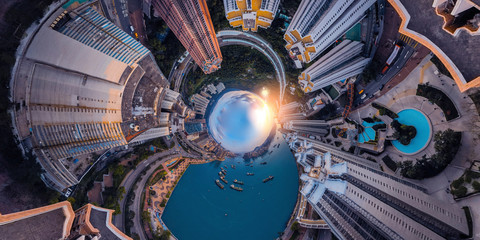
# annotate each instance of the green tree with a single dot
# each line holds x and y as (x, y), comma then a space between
(71, 200)
(146, 216)
(476, 185)
(457, 183)
(165, 235)
(295, 226)
(460, 192)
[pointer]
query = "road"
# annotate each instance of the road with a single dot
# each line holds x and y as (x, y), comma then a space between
(231, 37)
(382, 80)
(135, 13)
(131, 179)
(117, 12)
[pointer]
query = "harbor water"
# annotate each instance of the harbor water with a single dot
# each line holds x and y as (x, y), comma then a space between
(199, 209)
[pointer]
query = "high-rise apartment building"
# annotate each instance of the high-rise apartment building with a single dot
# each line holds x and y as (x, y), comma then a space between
(290, 111)
(190, 21)
(200, 103)
(312, 127)
(360, 201)
(81, 86)
(319, 23)
(250, 14)
(340, 63)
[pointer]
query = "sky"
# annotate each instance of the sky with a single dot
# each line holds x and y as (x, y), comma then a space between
(240, 121)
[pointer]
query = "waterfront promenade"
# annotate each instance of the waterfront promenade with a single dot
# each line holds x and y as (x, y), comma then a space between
(135, 177)
(163, 189)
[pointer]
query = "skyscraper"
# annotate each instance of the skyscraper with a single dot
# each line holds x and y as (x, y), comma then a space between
(360, 201)
(313, 127)
(250, 14)
(340, 63)
(319, 23)
(290, 111)
(190, 21)
(75, 89)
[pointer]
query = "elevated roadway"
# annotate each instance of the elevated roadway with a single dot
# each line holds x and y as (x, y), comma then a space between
(231, 37)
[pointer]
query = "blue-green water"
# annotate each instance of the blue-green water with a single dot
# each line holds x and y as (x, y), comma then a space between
(368, 133)
(414, 118)
(198, 209)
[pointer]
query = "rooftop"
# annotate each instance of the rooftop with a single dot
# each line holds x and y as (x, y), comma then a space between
(458, 53)
(49, 222)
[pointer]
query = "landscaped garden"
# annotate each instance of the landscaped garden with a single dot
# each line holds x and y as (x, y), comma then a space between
(403, 133)
(390, 163)
(441, 99)
(384, 111)
(242, 68)
(465, 185)
(446, 147)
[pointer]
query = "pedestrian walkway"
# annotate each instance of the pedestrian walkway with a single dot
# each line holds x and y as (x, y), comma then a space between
(164, 187)
(409, 41)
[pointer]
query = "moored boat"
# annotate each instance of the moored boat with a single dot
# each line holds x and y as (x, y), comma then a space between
(237, 182)
(219, 184)
(236, 188)
(267, 179)
(223, 179)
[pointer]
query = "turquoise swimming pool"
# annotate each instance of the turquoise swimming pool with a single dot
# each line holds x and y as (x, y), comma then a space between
(368, 134)
(417, 119)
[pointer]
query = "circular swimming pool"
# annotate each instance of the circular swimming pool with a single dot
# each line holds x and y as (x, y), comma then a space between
(417, 119)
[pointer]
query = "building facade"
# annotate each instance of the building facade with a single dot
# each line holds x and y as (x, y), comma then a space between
(340, 63)
(360, 201)
(290, 111)
(200, 103)
(190, 21)
(311, 127)
(317, 24)
(82, 86)
(250, 14)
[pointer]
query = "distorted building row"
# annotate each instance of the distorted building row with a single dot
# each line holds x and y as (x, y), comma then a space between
(190, 21)
(360, 201)
(86, 86)
(340, 63)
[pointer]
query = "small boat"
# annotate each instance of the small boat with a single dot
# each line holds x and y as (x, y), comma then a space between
(267, 179)
(224, 172)
(263, 163)
(233, 166)
(223, 179)
(250, 174)
(220, 174)
(236, 188)
(220, 185)
(237, 182)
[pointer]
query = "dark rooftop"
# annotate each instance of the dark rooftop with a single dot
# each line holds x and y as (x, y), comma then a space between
(98, 220)
(48, 225)
(461, 49)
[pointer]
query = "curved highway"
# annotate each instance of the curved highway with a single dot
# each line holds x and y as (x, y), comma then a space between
(231, 37)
